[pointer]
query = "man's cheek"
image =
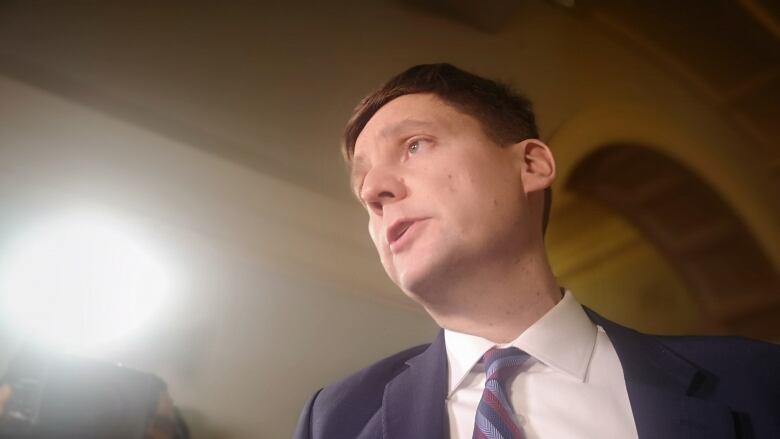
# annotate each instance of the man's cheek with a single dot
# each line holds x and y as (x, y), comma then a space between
(377, 237)
(388, 264)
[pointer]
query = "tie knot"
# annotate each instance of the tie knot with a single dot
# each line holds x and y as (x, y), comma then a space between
(502, 363)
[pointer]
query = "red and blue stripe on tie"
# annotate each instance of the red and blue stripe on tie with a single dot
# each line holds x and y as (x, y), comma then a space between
(495, 418)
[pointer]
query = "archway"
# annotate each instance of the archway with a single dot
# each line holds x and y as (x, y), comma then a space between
(701, 238)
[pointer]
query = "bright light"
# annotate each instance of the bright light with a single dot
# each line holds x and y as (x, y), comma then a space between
(80, 281)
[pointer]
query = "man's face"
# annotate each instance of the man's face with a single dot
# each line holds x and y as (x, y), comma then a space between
(440, 194)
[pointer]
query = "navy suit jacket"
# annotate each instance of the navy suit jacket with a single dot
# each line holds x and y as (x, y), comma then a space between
(679, 388)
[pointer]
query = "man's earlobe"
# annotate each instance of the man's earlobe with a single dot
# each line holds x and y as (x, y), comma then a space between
(537, 164)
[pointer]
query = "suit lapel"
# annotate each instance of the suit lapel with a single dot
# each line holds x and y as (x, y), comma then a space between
(414, 401)
(663, 389)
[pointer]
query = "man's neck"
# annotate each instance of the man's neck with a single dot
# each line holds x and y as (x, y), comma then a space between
(498, 304)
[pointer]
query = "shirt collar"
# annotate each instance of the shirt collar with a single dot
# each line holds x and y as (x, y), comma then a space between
(563, 339)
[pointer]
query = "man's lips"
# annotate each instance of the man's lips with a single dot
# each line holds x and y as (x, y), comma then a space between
(397, 231)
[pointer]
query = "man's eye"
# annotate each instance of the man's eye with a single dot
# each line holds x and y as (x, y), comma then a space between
(414, 147)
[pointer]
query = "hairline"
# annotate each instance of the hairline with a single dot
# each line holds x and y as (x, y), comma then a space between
(349, 149)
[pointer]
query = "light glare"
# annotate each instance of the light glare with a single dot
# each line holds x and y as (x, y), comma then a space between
(80, 281)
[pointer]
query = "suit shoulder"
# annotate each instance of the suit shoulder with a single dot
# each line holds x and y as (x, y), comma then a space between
(375, 375)
(739, 362)
(735, 359)
(356, 398)
(716, 347)
(706, 348)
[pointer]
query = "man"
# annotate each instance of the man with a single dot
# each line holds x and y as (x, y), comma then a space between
(456, 186)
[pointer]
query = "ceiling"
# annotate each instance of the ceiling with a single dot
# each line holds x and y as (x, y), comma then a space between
(211, 74)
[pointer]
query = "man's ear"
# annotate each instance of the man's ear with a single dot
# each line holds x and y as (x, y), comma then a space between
(535, 163)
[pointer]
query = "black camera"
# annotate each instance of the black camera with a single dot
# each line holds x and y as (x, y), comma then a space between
(64, 397)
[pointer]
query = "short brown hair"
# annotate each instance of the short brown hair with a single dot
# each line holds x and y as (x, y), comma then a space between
(505, 116)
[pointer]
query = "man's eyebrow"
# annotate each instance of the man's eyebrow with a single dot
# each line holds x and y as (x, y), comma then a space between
(404, 125)
(359, 163)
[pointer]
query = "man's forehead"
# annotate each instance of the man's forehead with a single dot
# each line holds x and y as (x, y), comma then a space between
(387, 131)
(406, 113)
(394, 129)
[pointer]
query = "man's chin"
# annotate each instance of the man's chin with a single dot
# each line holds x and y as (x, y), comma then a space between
(420, 285)
(409, 278)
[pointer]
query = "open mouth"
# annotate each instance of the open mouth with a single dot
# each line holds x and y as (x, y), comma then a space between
(403, 232)
(398, 230)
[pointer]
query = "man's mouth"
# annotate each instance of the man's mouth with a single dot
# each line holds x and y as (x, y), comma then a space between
(402, 233)
(397, 230)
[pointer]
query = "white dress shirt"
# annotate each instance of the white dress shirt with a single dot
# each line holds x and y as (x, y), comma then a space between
(571, 387)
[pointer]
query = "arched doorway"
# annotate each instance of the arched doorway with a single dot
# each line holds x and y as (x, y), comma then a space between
(681, 252)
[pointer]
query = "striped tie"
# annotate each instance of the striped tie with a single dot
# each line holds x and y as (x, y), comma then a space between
(495, 418)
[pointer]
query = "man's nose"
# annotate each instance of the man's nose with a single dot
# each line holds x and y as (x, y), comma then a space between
(381, 186)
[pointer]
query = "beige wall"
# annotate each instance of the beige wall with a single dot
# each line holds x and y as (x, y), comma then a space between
(265, 309)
